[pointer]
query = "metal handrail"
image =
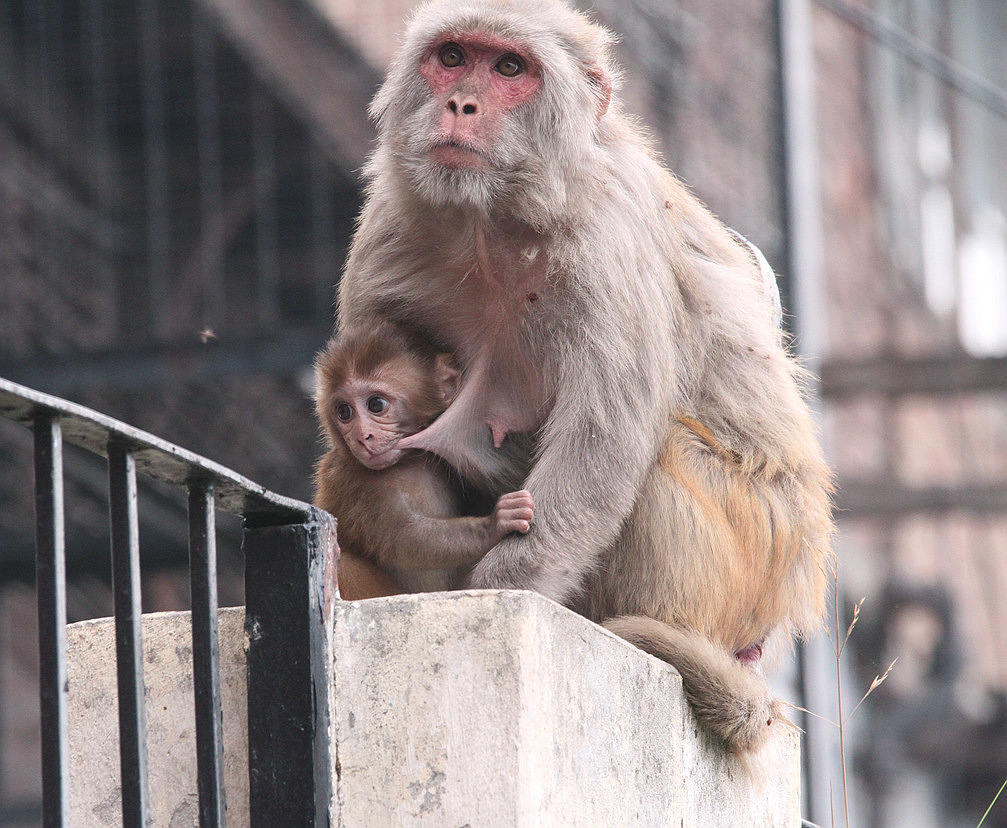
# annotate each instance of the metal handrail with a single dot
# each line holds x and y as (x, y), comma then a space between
(290, 562)
(155, 457)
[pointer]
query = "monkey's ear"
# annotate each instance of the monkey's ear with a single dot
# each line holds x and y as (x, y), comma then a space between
(601, 82)
(447, 376)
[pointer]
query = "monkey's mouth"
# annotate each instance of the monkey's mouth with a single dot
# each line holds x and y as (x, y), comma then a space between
(381, 458)
(454, 153)
(377, 457)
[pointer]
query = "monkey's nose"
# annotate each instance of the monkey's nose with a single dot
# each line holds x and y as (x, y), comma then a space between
(464, 105)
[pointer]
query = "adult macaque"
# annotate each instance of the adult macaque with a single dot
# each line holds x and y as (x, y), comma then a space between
(399, 510)
(609, 327)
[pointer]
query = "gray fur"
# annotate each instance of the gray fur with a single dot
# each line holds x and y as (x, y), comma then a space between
(602, 314)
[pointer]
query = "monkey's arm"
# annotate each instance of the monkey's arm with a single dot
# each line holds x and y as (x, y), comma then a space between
(422, 541)
(597, 445)
(407, 516)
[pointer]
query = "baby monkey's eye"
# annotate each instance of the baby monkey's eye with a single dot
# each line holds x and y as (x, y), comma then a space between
(344, 411)
(377, 405)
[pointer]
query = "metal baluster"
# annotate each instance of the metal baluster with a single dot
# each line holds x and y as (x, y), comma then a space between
(50, 573)
(206, 655)
(128, 636)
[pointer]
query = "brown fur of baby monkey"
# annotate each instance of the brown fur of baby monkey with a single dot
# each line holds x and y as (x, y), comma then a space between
(618, 351)
(400, 513)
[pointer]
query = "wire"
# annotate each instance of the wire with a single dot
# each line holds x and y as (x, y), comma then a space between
(963, 79)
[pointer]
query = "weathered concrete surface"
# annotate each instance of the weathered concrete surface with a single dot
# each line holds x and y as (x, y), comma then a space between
(451, 709)
(95, 796)
(504, 709)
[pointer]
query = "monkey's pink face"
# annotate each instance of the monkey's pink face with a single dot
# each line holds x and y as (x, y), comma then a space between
(477, 80)
(371, 424)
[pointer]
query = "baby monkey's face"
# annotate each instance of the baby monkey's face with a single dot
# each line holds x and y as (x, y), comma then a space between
(372, 419)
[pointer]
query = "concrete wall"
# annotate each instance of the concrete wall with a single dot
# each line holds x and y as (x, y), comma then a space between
(95, 798)
(478, 708)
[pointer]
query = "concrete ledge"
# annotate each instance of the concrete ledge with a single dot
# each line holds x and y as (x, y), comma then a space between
(95, 794)
(450, 709)
(505, 709)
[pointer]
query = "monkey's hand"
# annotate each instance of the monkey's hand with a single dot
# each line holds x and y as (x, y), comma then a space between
(513, 513)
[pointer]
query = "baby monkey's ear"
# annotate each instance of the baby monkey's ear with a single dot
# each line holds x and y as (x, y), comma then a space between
(447, 376)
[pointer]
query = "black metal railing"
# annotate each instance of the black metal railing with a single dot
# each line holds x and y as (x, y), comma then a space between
(290, 556)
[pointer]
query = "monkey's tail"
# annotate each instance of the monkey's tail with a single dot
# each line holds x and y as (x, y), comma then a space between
(728, 697)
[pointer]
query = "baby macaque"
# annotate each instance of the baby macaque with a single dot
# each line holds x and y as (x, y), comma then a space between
(401, 512)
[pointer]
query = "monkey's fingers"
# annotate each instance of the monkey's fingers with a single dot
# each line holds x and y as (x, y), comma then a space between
(506, 526)
(516, 500)
(514, 512)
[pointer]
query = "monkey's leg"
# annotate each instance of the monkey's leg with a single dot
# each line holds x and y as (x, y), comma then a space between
(359, 578)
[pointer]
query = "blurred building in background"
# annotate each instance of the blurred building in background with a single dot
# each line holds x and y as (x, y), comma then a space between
(912, 159)
(178, 183)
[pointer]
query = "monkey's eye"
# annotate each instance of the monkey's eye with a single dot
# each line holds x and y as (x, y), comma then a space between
(377, 405)
(344, 411)
(510, 66)
(451, 55)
